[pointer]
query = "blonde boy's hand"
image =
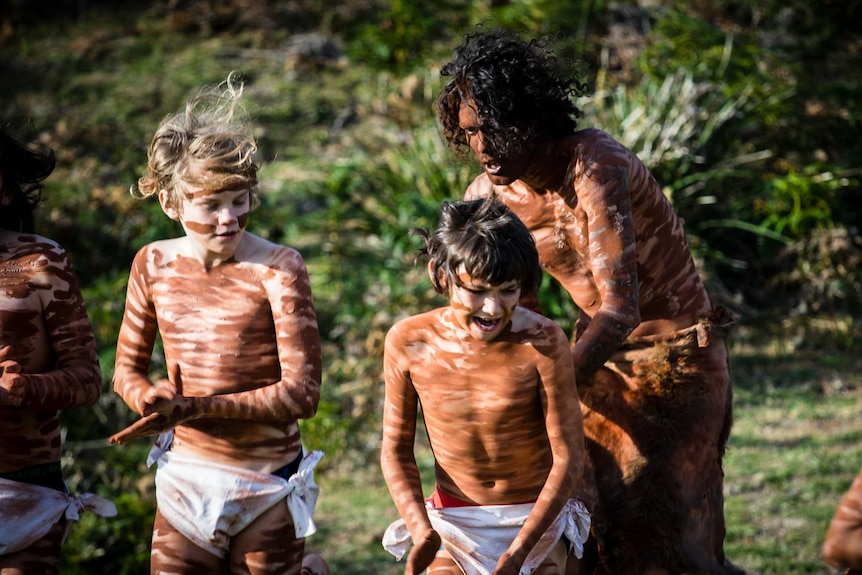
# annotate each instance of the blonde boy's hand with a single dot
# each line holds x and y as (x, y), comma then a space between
(161, 407)
(12, 383)
(162, 398)
(152, 424)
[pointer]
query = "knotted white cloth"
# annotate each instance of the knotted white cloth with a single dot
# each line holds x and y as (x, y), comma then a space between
(27, 512)
(210, 502)
(476, 536)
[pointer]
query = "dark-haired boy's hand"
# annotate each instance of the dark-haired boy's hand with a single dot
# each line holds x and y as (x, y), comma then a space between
(422, 554)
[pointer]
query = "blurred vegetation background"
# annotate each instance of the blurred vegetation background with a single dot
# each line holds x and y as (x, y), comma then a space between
(746, 111)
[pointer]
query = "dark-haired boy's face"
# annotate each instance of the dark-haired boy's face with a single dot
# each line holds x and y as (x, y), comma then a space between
(482, 309)
(501, 170)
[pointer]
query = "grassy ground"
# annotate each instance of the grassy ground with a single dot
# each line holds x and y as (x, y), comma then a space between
(794, 449)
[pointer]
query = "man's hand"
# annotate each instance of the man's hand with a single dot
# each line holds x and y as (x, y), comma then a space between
(12, 382)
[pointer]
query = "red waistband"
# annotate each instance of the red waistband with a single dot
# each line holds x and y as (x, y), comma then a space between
(441, 500)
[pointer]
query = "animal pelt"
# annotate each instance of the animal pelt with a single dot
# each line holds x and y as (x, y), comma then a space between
(656, 419)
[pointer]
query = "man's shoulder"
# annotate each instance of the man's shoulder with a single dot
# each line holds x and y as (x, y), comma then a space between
(595, 138)
(480, 187)
(597, 145)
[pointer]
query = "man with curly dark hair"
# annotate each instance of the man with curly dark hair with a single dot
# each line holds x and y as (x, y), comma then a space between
(650, 352)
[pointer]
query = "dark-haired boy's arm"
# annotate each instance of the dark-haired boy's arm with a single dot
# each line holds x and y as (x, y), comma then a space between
(397, 457)
(566, 436)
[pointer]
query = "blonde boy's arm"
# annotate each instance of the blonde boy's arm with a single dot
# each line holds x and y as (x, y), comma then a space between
(136, 339)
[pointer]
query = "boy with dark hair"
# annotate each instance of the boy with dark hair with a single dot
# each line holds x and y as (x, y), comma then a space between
(498, 398)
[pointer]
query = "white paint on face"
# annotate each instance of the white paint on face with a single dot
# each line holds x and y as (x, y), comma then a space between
(214, 220)
(483, 309)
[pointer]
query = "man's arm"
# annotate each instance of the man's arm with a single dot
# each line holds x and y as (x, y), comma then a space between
(604, 195)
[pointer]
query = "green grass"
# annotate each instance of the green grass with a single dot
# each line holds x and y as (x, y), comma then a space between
(795, 448)
(351, 519)
(354, 511)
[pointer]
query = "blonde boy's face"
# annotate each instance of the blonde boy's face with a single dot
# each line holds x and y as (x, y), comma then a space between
(483, 309)
(214, 220)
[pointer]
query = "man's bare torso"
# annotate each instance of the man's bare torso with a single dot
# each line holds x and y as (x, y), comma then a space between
(612, 227)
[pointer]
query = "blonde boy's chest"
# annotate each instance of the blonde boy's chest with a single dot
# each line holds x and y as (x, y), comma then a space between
(216, 305)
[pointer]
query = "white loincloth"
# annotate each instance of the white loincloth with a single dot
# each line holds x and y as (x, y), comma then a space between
(210, 502)
(28, 512)
(476, 536)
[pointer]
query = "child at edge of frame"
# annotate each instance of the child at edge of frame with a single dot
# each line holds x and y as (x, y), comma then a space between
(48, 362)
